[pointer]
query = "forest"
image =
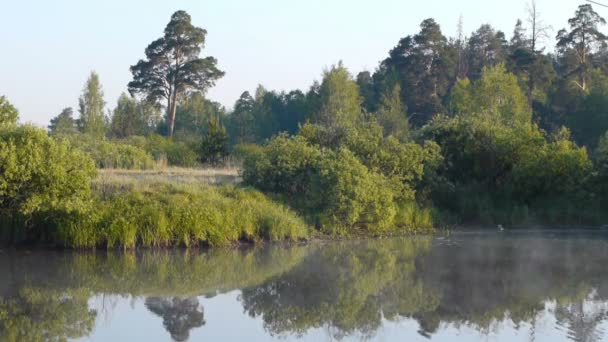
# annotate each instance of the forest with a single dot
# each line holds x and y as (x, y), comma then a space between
(483, 128)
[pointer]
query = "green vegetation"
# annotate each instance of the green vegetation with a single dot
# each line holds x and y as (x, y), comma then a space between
(41, 182)
(445, 131)
(173, 66)
(111, 154)
(166, 215)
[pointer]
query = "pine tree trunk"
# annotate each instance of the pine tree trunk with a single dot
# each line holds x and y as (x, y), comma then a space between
(171, 116)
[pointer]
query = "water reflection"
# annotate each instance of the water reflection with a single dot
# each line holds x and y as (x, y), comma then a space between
(180, 315)
(484, 282)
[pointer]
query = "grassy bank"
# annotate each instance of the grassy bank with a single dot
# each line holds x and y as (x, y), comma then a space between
(108, 178)
(178, 207)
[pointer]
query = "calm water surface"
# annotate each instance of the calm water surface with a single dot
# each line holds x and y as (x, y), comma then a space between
(477, 286)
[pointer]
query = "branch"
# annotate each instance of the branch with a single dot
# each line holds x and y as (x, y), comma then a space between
(597, 3)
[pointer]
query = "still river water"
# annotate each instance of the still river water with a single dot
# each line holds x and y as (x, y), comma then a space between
(469, 286)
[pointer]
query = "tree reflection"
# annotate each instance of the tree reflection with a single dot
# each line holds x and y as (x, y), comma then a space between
(346, 287)
(481, 281)
(582, 319)
(45, 315)
(180, 315)
(45, 296)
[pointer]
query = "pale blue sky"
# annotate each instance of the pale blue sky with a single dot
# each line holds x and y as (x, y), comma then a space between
(49, 47)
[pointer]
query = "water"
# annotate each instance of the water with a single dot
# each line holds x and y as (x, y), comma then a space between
(477, 286)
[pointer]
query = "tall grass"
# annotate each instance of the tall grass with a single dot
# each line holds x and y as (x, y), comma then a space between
(171, 214)
(412, 218)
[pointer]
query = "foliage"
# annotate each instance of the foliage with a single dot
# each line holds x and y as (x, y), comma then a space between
(498, 95)
(583, 37)
(91, 105)
(359, 184)
(40, 181)
(193, 115)
(175, 152)
(354, 196)
(556, 168)
(111, 154)
(461, 99)
(340, 98)
(64, 123)
(392, 114)
(8, 113)
(173, 66)
(214, 145)
(489, 166)
(132, 117)
(590, 120)
(424, 64)
(486, 48)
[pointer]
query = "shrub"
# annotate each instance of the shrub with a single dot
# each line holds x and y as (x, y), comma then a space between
(41, 180)
(498, 173)
(356, 187)
(353, 196)
(111, 154)
(177, 153)
(285, 165)
(555, 168)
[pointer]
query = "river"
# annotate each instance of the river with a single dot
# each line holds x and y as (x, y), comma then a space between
(467, 286)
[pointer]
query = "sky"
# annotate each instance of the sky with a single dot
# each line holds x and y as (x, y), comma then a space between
(48, 48)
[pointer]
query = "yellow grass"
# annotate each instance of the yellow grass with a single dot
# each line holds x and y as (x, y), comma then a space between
(173, 175)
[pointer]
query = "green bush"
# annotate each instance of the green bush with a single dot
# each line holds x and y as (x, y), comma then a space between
(555, 168)
(177, 153)
(498, 173)
(286, 165)
(111, 154)
(358, 186)
(352, 196)
(41, 181)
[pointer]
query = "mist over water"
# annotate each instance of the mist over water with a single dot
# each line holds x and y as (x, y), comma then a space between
(468, 286)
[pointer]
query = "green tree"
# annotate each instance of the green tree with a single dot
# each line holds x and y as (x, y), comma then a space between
(214, 146)
(581, 41)
(132, 117)
(368, 91)
(519, 39)
(241, 120)
(590, 120)
(392, 114)
(8, 113)
(193, 114)
(425, 65)
(461, 99)
(487, 48)
(91, 105)
(63, 123)
(498, 95)
(173, 66)
(340, 98)
(555, 168)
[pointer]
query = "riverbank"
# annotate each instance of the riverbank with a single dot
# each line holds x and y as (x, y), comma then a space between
(181, 207)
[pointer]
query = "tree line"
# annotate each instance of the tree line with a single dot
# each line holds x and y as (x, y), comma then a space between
(422, 76)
